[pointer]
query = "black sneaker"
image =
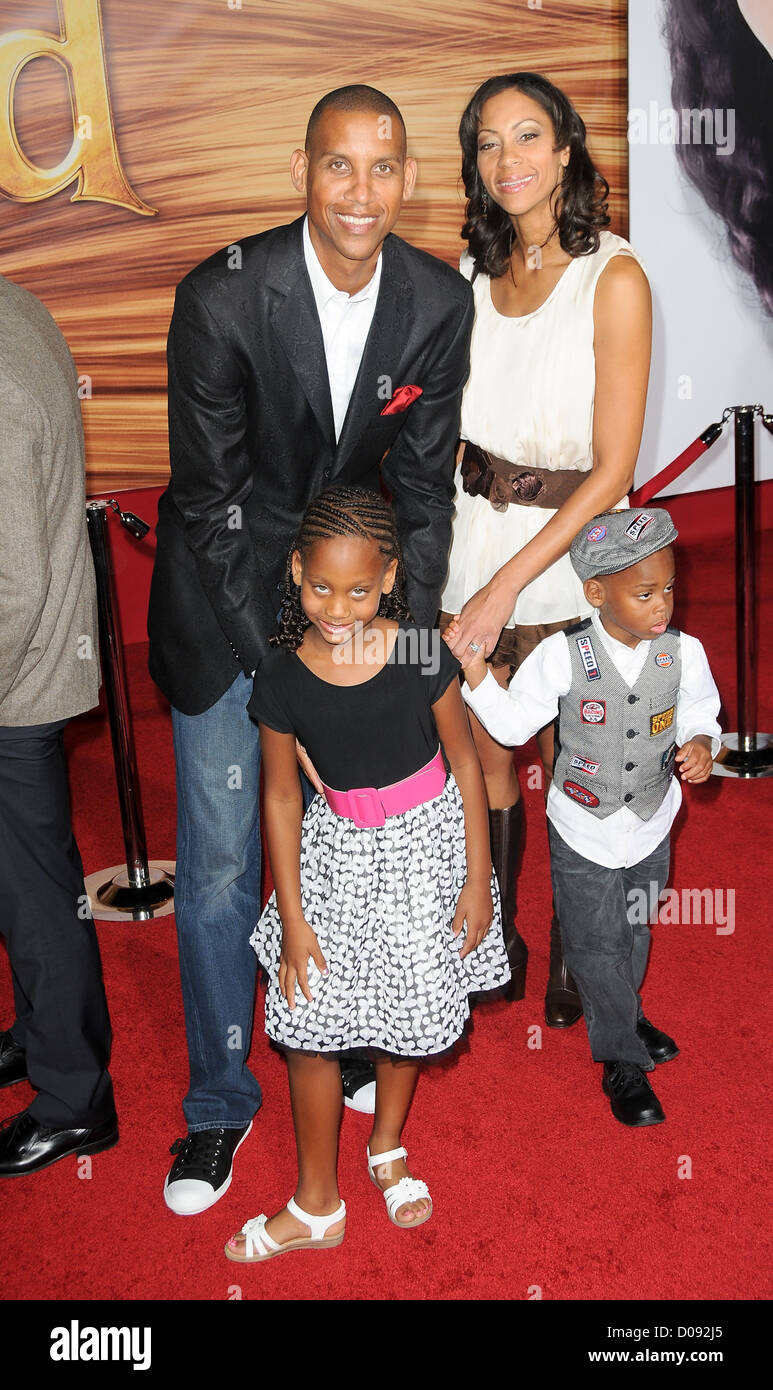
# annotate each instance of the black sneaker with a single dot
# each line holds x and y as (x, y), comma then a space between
(631, 1097)
(358, 1077)
(202, 1171)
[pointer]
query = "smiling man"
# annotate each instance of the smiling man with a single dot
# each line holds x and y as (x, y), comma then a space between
(284, 351)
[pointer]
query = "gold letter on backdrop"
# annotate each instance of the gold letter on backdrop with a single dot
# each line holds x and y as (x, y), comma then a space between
(93, 156)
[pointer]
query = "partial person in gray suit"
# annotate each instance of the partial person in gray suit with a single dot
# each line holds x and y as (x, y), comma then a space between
(49, 672)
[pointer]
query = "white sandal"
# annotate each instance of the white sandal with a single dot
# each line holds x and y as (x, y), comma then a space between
(258, 1244)
(406, 1190)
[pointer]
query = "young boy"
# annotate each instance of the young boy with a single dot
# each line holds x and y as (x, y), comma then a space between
(631, 698)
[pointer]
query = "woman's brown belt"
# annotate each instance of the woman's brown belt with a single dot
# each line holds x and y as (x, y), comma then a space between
(486, 475)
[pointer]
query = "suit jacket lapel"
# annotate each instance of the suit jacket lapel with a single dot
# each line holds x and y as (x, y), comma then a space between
(296, 324)
(384, 349)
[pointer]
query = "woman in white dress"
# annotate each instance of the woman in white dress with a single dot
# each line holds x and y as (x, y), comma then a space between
(552, 415)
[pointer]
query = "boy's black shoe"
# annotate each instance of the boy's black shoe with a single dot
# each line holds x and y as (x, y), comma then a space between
(631, 1097)
(202, 1171)
(13, 1061)
(26, 1145)
(660, 1047)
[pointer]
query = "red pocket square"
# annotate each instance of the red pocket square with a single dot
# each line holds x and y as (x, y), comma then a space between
(402, 398)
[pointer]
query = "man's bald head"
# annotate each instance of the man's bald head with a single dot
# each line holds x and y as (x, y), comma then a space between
(357, 98)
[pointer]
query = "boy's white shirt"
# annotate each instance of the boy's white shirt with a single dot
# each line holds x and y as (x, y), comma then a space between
(514, 715)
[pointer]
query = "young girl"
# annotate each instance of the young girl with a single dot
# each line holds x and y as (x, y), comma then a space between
(385, 914)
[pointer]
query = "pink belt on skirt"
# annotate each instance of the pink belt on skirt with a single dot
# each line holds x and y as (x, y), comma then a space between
(369, 807)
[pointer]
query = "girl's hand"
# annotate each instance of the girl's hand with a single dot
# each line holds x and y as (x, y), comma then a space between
(472, 663)
(308, 767)
(476, 906)
(482, 618)
(299, 943)
(695, 757)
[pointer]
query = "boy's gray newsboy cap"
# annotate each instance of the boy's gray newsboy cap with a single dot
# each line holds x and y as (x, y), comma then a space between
(612, 541)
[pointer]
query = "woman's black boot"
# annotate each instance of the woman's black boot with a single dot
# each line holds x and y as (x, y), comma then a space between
(563, 1005)
(506, 840)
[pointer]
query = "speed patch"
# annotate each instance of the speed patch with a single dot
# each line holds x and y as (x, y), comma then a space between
(593, 711)
(636, 528)
(588, 658)
(667, 761)
(663, 659)
(580, 794)
(661, 721)
(585, 765)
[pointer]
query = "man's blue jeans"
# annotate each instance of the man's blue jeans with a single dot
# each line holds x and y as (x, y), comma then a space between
(217, 903)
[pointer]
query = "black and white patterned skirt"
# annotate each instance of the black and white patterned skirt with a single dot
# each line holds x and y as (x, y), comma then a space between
(382, 902)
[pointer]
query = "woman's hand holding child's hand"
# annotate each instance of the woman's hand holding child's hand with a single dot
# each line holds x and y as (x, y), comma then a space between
(695, 757)
(476, 906)
(472, 663)
(299, 943)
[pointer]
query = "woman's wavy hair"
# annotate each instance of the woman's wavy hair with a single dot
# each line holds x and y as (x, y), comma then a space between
(717, 63)
(581, 207)
(342, 511)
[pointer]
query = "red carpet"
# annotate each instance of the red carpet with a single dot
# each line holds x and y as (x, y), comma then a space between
(536, 1188)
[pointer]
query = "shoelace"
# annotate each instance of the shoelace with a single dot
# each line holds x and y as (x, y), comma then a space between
(200, 1150)
(626, 1071)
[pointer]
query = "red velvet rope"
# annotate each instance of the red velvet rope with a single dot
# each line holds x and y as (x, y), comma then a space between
(693, 451)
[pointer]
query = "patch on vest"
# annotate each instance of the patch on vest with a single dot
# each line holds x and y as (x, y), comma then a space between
(596, 533)
(636, 528)
(588, 658)
(663, 659)
(593, 711)
(660, 722)
(667, 761)
(580, 794)
(585, 765)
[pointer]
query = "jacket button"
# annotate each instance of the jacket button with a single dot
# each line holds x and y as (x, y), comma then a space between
(629, 767)
(632, 699)
(628, 796)
(326, 474)
(631, 733)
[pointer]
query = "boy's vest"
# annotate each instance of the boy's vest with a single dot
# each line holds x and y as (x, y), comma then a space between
(615, 743)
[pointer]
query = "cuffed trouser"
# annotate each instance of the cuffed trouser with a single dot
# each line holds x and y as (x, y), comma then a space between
(606, 941)
(61, 1019)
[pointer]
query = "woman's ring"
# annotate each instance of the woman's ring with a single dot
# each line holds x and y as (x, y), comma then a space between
(474, 647)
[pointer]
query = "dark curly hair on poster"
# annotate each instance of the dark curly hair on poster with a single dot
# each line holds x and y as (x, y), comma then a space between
(717, 63)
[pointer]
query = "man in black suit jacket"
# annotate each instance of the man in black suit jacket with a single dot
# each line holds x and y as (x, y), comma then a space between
(258, 426)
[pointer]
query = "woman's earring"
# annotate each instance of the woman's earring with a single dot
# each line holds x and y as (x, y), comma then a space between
(484, 203)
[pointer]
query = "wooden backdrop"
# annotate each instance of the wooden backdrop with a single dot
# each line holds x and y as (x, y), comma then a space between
(209, 98)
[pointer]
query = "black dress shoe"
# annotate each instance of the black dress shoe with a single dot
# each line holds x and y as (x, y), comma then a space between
(13, 1061)
(26, 1146)
(631, 1097)
(660, 1047)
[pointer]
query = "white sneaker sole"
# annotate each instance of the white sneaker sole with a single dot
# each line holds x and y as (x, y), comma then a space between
(363, 1100)
(216, 1195)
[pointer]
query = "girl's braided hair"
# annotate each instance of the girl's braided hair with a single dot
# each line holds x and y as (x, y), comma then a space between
(342, 511)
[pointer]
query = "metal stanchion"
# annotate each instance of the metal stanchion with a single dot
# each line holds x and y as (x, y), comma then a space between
(137, 889)
(746, 753)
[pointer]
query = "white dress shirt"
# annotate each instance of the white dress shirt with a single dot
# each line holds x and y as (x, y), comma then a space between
(345, 320)
(512, 716)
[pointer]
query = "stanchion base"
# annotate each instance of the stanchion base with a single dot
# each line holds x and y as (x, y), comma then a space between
(736, 762)
(112, 898)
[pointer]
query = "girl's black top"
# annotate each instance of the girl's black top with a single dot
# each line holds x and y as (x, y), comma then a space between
(367, 735)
